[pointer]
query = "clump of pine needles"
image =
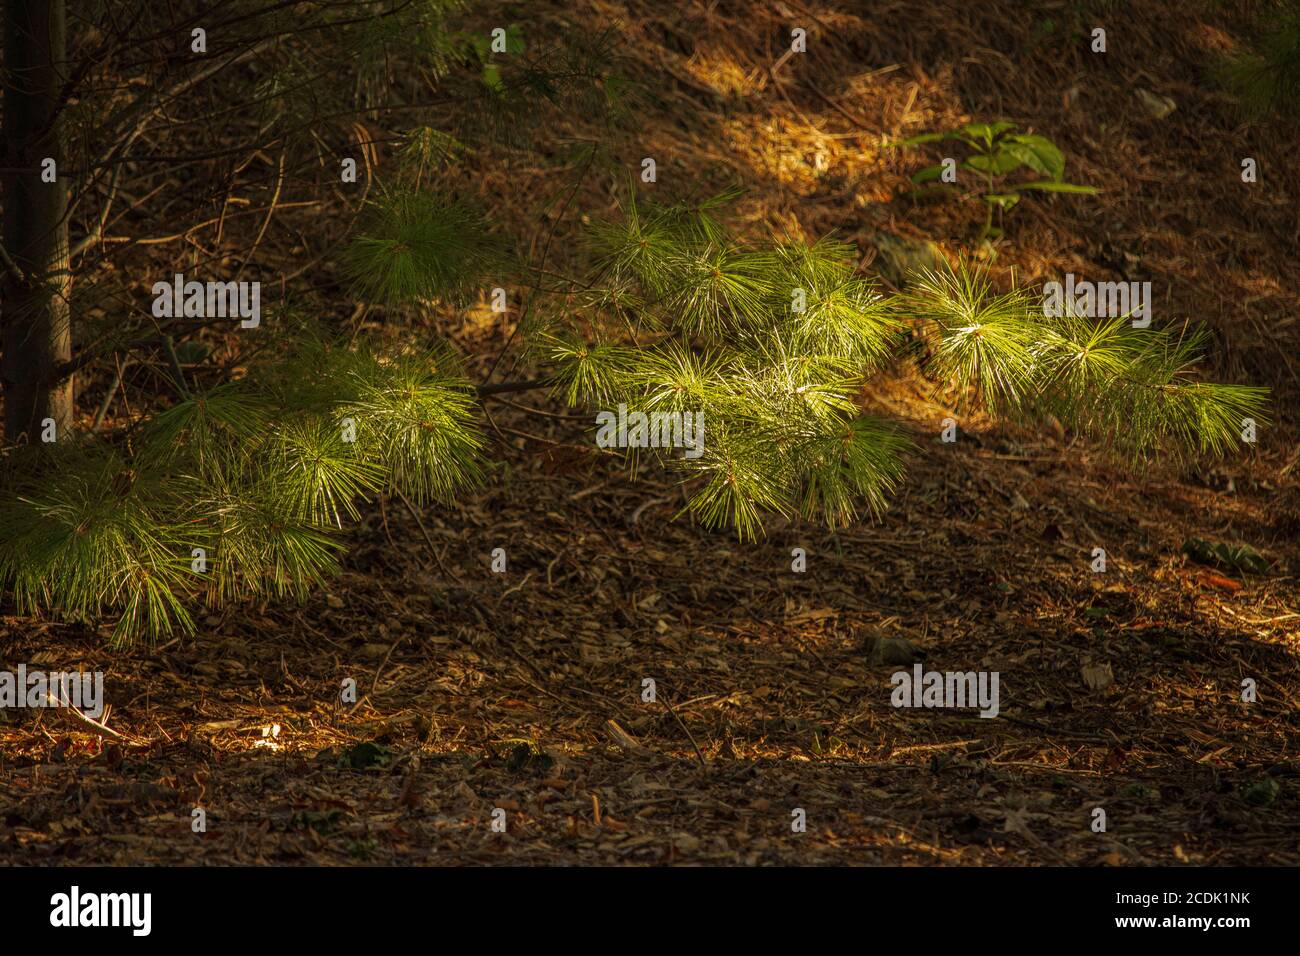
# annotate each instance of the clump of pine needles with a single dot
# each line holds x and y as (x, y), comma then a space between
(1266, 80)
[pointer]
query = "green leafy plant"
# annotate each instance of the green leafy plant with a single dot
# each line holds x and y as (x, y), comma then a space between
(1240, 557)
(996, 152)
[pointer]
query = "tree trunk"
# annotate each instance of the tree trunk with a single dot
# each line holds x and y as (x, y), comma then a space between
(34, 307)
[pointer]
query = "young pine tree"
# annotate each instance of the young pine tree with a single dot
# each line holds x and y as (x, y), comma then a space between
(145, 141)
(231, 480)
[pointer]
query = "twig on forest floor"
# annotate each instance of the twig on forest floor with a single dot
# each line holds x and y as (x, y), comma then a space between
(94, 725)
(914, 748)
(382, 664)
(1034, 725)
(427, 539)
(689, 736)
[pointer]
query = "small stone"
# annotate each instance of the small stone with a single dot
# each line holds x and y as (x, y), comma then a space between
(890, 650)
(1158, 106)
(1097, 676)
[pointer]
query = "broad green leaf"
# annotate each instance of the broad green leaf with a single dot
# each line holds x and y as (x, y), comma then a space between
(1031, 159)
(1040, 154)
(1052, 186)
(999, 163)
(986, 131)
(927, 174)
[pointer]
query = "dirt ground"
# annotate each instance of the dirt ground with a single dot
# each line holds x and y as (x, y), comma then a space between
(523, 691)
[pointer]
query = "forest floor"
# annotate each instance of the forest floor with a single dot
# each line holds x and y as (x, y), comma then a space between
(523, 691)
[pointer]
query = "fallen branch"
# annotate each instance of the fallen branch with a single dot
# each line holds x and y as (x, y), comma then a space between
(94, 725)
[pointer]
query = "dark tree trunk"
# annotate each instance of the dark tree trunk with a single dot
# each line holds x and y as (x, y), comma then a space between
(34, 309)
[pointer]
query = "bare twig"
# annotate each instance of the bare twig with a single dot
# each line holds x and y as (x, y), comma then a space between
(427, 539)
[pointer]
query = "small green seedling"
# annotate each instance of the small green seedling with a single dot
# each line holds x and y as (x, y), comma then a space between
(995, 153)
(1241, 558)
